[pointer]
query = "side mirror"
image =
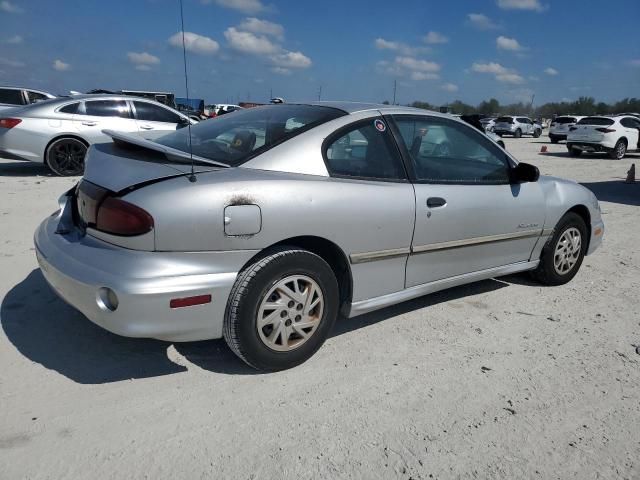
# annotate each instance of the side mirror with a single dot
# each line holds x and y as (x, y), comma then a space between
(524, 172)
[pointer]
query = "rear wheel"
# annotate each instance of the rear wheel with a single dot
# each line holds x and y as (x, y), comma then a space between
(65, 156)
(619, 151)
(518, 133)
(562, 255)
(281, 309)
(537, 133)
(574, 152)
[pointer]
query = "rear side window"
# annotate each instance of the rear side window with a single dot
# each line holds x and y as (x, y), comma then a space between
(564, 120)
(504, 120)
(630, 123)
(523, 120)
(364, 150)
(602, 121)
(107, 108)
(36, 97)
(11, 96)
(71, 108)
(155, 113)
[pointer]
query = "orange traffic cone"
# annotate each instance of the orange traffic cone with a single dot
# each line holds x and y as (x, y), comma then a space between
(631, 174)
(543, 149)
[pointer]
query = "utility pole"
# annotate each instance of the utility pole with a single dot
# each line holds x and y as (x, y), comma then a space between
(394, 91)
(320, 93)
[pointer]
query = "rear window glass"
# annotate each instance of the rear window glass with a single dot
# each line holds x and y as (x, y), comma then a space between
(565, 120)
(71, 108)
(504, 120)
(596, 121)
(11, 96)
(233, 139)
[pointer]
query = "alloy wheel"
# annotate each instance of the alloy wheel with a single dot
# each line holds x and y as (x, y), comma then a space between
(567, 251)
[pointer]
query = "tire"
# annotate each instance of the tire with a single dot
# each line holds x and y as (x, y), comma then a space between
(537, 133)
(261, 286)
(561, 259)
(553, 139)
(574, 152)
(619, 151)
(501, 143)
(65, 156)
(518, 133)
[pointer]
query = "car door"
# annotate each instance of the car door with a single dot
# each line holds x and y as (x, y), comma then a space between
(93, 116)
(631, 131)
(155, 120)
(469, 217)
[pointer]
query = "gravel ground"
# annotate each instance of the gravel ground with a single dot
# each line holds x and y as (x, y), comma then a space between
(499, 379)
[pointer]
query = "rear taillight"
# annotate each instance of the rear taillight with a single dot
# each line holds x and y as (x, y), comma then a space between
(605, 130)
(9, 122)
(117, 217)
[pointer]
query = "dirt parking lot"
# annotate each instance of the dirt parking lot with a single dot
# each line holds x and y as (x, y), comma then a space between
(499, 379)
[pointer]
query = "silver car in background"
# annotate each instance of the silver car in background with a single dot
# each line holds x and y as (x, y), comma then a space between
(517, 126)
(263, 227)
(58, 132)
(561, 125)
(11, 97)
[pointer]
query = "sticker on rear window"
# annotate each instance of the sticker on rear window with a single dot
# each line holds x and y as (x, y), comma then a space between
(380, 126)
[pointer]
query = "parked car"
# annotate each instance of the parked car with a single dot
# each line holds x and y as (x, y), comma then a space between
(613, 135)
(475, 121)
(191, 107)
(517, 126)
(263, 226)
(560, 127)
(488, 123)
(58, 132)
(11, 97)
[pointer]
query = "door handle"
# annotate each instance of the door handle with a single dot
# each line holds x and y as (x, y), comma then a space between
(146, 127)
(90, 124)
(434, 202)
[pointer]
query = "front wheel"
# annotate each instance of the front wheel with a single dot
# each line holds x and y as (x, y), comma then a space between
(563, 254)
(518, 133)
(537, 133)
(281, 309)
(619, 151)
(65, 157)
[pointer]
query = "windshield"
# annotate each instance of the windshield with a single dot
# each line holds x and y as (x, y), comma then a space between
(596, 121)
(234, 139)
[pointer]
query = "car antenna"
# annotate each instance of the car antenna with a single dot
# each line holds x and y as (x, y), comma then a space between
(192, 177)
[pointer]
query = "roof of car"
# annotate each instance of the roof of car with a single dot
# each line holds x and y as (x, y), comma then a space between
(354, 107)
(16, 87)
(102, 96)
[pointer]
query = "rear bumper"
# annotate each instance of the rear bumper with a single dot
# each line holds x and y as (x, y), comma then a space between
(78, 267)
(589, 146)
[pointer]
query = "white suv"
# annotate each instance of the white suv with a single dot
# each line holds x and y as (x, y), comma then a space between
(517, 126)
(560, 127)
(614, 135)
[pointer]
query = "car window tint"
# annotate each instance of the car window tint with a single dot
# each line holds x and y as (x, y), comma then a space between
(107, 108)
(443, 151)
(36, 97)
(600, 121)
(629, 122)
(71, 108)
(155, 113)
(11, 96)
(365, 150)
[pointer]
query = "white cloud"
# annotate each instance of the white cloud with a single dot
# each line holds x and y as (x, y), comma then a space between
(533, 5)
(506, 43)
(60, 66)
(9, 7)
(634, 63)
(449, 87)
(195, 43)
(501, 73)
(399, 47)
(417, 65)
(11, 63)
(551, 71)
(281, 71)
(245, 6)
(424, 76)
(143, 68)
(142, 59)
(291, 60)
(248, 42)
(481, 22)
(255, 25)
(15, 40)
(433, 38)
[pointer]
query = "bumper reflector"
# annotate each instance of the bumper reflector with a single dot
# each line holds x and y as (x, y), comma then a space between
(597, 232)
(189, 301)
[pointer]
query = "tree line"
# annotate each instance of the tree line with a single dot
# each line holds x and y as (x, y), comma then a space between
(582, 106)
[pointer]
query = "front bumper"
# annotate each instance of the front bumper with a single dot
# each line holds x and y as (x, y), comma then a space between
(597, 233)
(77, 268)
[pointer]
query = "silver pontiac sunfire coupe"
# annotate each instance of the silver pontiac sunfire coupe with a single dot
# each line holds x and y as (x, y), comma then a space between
(266, 225)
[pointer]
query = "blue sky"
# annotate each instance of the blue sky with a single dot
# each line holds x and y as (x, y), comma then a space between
(243, 49)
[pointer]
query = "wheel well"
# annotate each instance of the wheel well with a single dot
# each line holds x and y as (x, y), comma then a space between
(624, 139)
(60, 137)
(330, 253)
(583, 212)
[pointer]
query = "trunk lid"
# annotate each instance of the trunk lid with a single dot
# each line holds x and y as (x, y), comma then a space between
(586, 133)
(132, 161)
